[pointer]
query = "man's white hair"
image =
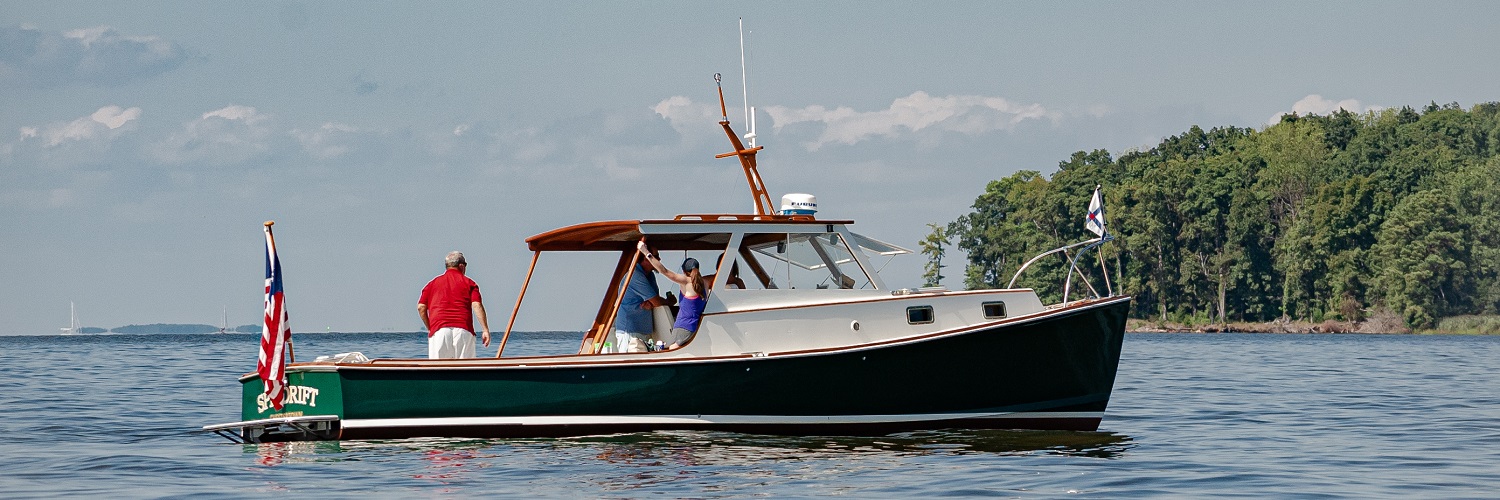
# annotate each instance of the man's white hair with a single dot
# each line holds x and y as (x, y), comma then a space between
(454, 259)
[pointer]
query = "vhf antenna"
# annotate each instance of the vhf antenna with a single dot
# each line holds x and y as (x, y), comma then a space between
(744, 79)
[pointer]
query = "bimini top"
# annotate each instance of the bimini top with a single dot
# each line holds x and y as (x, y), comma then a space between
(685, 232)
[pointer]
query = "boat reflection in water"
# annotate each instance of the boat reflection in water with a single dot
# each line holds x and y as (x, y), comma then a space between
(722, 448)
(642, 459)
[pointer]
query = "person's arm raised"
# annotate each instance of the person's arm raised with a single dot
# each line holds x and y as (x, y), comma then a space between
(680, 279)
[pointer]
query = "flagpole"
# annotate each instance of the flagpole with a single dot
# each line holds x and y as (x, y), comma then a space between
(290, 352)
(1107, 286)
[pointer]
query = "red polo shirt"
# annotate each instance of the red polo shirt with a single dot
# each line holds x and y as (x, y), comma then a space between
(448, 298)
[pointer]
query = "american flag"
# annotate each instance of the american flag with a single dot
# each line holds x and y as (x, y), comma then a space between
(276, 335)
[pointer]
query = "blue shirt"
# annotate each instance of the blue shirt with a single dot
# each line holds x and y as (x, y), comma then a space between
(631, 318)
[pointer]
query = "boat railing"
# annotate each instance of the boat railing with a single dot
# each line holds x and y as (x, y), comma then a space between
(1087, 245)
(740, 217)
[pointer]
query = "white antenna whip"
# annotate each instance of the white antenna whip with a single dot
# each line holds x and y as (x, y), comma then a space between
(749, 117)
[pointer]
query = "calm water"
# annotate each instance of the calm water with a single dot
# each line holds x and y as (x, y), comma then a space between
(1192, 416)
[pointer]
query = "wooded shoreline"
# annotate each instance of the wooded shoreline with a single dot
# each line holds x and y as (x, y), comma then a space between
(1301, 327)
(1376, 222)
(1471, 325)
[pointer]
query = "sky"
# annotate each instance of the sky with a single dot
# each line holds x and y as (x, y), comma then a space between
(143, 144)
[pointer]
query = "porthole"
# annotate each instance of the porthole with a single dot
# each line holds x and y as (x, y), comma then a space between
(994, 310)
(917, 315)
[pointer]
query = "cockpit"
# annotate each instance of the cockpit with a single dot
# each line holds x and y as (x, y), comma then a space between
(751, 261)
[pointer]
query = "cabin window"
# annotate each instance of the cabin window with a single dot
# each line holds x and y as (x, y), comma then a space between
(994, 310)
(918, 315)
(815, 260)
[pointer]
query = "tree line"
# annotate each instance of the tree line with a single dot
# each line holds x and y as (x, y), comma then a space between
(1314, 218)
(155, 328)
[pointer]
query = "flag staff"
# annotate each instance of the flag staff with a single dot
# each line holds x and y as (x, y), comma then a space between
(1095, 224)
(1099, 189)
(275, 334)
(291, 353)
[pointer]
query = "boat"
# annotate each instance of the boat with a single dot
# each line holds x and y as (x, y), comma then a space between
(73, 327)
(816, 343)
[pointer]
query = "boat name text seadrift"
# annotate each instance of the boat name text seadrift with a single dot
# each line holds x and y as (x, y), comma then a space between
(295, 395)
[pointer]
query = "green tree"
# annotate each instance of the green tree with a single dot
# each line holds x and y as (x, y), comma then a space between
(1211, 252)
(1000, 230)
(1475, 192)
(933, 247)
(1421, 257)
(1068, 198)
(1299, 219)
(1255, 292)
(1487, 122)
(1295, 156)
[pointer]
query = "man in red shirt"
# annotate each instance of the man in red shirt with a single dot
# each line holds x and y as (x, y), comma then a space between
(448, 305)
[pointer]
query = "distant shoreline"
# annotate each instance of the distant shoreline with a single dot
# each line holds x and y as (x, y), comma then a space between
(106, 333)
(1374, 326)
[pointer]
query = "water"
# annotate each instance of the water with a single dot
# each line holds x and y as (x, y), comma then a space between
(1335, 416)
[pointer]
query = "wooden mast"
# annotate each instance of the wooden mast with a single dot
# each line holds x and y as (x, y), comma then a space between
(763, 204)
(534, 256)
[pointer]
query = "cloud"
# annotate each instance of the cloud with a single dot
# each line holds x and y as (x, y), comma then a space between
(1315, 104)
(909, 116)
(100, 138)
(94, 56)
(226, 136)
(686, 116)
(235, 112)
(102, 125)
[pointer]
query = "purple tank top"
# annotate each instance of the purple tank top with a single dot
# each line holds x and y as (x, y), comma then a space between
(689, 312)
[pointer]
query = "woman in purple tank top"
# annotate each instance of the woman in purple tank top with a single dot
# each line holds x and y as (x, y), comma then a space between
(694, 295)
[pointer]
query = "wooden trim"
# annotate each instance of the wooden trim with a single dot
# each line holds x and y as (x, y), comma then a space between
(517, 309)
(610, 306)
(562, 361)
(763, 204)
(743, 217)
(754, 264)
(580, 236)
(622, 234)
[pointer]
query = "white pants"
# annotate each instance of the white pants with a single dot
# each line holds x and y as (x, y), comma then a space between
(450, 343)
(630, 342)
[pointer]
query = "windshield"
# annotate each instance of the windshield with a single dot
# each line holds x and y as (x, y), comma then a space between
(811, 260)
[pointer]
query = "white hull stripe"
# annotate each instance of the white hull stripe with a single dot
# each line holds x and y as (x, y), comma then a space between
(372, 423)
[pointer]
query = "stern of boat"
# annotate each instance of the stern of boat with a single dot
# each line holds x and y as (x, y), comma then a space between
(311, 409)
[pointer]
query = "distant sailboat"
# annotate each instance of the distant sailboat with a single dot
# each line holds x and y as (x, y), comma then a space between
(225, 327)
(72, 328)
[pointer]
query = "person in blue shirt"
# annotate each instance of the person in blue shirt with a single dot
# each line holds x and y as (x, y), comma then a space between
(633, 323)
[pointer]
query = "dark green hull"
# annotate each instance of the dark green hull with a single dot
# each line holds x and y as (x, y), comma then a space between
(1052, 372)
